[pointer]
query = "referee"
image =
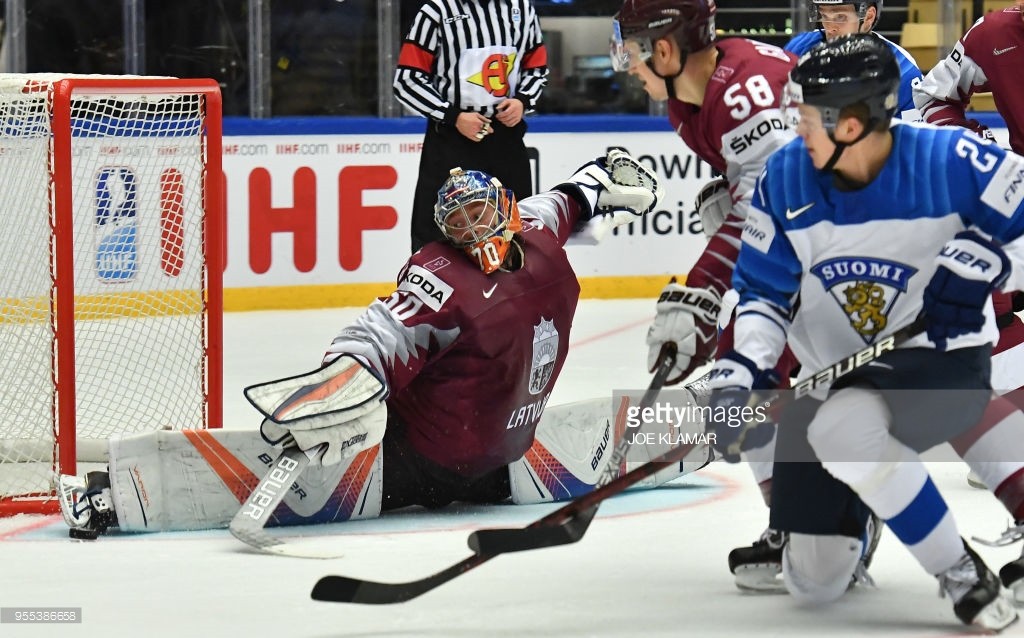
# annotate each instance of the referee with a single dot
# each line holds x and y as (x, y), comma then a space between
(473, 68)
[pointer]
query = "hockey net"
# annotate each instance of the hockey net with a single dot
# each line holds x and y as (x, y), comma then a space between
(110, 267)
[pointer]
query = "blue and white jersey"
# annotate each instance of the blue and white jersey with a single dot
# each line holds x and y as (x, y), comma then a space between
(910, 74)
(837, 270)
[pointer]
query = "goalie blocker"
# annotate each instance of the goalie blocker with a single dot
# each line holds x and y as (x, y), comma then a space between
(177, 481)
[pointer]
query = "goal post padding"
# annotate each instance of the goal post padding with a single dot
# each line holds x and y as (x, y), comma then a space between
(111, 257)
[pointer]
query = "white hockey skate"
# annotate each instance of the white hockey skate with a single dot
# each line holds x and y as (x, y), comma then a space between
(86, 504)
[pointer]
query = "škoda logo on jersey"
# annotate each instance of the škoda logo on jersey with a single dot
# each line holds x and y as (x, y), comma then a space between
(865, 288)
(545, 354)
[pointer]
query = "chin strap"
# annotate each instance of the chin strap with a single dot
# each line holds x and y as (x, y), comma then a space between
(841, 146)
(669, 80)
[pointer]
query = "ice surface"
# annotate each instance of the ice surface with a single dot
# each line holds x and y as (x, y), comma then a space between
(652, 564)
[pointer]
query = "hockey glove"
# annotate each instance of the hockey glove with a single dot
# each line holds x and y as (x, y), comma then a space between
(612, 191)
(341, 404)
(970, 268)
(739, 406)
(714, 204)
(688, 317)
(981, 130)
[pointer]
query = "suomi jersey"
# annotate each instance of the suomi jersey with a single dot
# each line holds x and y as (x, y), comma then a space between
(836, 270)
(910, 74)
(470, 359)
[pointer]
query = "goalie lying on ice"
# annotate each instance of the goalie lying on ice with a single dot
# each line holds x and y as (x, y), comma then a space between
(428, 397)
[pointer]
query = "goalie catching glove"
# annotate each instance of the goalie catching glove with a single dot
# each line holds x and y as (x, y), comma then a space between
(688, 317)
(612, 190)
(341, 404)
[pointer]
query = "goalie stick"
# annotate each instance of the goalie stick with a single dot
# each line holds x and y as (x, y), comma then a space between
(344, 589)
(247, 525)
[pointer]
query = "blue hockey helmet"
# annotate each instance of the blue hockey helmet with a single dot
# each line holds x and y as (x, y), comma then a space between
(476, 213)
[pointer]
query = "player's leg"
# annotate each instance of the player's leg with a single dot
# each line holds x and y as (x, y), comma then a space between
(994, 450)
(850, 434)
(188, 480)
(824, 512)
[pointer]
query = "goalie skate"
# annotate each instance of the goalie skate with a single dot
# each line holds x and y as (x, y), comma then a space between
(758, 568)
(86, 504)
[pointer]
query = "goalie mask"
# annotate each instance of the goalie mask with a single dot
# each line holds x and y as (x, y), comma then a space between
(479, 216)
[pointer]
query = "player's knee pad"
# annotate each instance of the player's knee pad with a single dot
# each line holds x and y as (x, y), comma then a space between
(818, 569)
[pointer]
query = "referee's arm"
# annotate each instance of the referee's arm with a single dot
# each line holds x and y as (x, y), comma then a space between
(414, 77)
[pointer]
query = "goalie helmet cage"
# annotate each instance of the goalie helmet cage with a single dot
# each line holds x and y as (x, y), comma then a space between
(111, 258)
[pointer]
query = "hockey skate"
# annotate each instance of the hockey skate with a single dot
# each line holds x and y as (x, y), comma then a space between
(758, 568)
(1012, 574)
(872, 534)
(978, 598)
(86, 504)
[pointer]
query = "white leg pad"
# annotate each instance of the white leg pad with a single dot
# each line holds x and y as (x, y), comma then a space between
(572, 446)
(818, 569)
(174, 480)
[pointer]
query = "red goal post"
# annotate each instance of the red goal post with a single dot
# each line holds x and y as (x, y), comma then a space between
(111, 258)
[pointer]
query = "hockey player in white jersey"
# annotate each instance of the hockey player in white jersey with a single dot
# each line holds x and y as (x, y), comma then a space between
(855, 230)
(838, 18)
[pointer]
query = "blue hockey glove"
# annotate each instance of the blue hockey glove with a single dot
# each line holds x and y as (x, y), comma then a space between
(970, 268)
(739, 405)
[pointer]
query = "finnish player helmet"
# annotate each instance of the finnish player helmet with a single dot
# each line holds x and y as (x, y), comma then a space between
(640, 23)
(814, 13)
(852, 69)
(476, 213)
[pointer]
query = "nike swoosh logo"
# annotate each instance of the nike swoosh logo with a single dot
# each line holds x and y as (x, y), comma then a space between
(1002, 51)
(793, 214)
(488, 293)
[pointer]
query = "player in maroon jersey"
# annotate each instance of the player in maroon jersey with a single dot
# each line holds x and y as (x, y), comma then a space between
(723, 101)
(452, 371)
(987, 58)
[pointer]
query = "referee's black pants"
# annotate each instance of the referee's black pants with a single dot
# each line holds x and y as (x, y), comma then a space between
(501, 154)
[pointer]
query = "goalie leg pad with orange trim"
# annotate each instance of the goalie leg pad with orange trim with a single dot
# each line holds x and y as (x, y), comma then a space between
(189, 480)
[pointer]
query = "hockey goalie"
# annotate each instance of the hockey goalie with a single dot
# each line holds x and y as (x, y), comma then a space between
(436, 393)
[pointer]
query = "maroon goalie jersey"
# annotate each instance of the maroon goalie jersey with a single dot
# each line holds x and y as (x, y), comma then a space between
(470, 359)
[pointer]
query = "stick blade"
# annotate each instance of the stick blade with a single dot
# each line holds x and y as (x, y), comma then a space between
(342, 589)
(521, 539)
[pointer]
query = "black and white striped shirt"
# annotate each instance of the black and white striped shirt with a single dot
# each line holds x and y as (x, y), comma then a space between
(469, 55)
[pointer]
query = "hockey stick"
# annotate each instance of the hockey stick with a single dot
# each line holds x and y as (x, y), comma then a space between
(247, 525)
(501, 541)
(343, 589)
